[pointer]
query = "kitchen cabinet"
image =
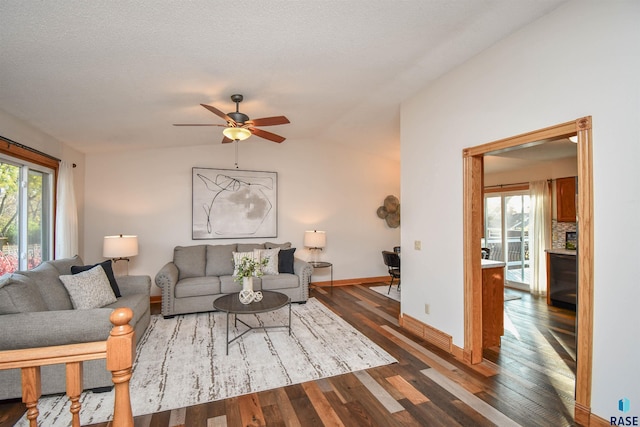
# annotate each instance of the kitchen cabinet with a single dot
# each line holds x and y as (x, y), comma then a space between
(492, 302)
(566, 199)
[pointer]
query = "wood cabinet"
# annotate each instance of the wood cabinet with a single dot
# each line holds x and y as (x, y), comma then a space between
(566, 199)
(492, 306)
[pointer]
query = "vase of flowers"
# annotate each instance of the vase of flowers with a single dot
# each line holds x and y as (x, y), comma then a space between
(248, 268)
(247, 283)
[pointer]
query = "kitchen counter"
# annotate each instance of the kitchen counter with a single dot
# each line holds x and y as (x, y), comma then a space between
(561, 251)
(489, 263)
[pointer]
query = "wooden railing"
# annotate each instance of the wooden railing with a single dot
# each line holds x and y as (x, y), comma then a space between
(118, 349)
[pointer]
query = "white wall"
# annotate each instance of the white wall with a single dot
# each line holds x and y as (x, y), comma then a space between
(582, 59)
(320, 186)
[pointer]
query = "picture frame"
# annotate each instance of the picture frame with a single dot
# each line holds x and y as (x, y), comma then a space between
(234, 204)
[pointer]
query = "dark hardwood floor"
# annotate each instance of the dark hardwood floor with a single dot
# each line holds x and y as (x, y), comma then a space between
(529, 380)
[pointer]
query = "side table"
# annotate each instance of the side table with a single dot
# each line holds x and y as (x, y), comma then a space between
(323, 264)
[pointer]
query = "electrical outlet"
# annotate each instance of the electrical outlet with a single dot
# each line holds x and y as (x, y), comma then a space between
(417, 245)
(426, 309)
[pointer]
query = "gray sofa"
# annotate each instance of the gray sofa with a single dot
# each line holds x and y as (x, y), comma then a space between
(36, 311)
(200, 274)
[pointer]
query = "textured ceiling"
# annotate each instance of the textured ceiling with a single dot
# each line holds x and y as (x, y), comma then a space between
(108, 75)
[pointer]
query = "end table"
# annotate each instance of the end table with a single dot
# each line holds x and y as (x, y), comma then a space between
(323, 264)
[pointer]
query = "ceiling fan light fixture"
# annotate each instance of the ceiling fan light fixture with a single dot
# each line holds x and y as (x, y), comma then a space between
(236, 133)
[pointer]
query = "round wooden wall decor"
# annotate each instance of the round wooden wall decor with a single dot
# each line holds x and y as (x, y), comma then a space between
(390, 211)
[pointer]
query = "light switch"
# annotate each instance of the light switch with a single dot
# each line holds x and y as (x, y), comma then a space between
(417, 245)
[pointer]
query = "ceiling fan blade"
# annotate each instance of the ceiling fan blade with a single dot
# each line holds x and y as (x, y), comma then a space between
(267, 135)
(218, 113)
(269, 121)
(196, 124)
(226, 140)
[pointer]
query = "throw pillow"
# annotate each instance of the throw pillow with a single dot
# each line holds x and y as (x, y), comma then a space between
(285, 260)
(89, 289)
(269, 245)
(271, 255)
(237, 257)
(108, 270)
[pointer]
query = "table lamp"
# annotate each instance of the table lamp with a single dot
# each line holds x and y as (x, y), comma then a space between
(120, 248)
(315, 240)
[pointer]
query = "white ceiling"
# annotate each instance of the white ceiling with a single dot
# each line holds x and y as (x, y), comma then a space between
(105, 75)
(530, 156)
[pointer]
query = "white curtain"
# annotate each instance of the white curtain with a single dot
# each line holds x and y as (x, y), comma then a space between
(66, 214)
(540, 234)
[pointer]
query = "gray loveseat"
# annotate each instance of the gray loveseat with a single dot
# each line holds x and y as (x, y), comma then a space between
(36, 311)
(200, 274)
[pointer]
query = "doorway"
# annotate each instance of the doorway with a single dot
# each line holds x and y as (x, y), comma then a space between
(473, 228)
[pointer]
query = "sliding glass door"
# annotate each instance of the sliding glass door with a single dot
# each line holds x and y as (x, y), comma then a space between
(26, 214)
(507, 234)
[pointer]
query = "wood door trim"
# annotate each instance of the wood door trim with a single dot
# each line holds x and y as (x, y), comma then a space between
(472, 230)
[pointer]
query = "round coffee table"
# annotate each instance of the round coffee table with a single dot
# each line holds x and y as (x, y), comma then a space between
(271, 301)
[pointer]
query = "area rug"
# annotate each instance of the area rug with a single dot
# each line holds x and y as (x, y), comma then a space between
(182, 362)
(393, 294)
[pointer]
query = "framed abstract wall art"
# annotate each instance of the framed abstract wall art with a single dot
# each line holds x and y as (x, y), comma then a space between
(232, 204)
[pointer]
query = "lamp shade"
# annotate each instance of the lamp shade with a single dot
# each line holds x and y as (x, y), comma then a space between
(236, 133)
(120, 246)
(315, 239)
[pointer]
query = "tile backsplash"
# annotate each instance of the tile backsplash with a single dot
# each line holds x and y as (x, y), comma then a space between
(558, 230)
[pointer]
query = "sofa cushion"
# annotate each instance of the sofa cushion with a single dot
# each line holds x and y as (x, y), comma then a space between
(285, 260)
(271, 267)
(108, 269)
(281, 281)
(229, 286)
(53, 292)
(220, 260)
(64, 265)
(197, 286)
(190, 260)
(249, 247)
(89, 289)
(19, 294)
(269, 245)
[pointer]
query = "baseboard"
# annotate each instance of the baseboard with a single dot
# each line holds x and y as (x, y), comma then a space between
(596, 421)
(357, 281)
(429, 333)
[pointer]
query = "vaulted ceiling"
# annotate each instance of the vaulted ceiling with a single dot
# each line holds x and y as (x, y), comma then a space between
(110, 75)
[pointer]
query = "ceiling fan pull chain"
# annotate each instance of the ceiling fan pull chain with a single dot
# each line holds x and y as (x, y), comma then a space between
(236, 141)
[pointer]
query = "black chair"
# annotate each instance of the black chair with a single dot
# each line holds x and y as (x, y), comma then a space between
(392, 261)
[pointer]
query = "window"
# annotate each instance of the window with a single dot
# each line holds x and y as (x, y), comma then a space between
(26, 210)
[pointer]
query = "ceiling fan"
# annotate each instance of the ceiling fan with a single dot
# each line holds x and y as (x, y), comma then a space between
(239, 127)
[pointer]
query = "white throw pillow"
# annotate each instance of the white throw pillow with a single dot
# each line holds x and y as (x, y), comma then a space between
(272, 255)
(89, 289)
(237, 257)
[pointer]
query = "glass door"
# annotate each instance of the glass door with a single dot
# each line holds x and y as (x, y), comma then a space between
(507, 234)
